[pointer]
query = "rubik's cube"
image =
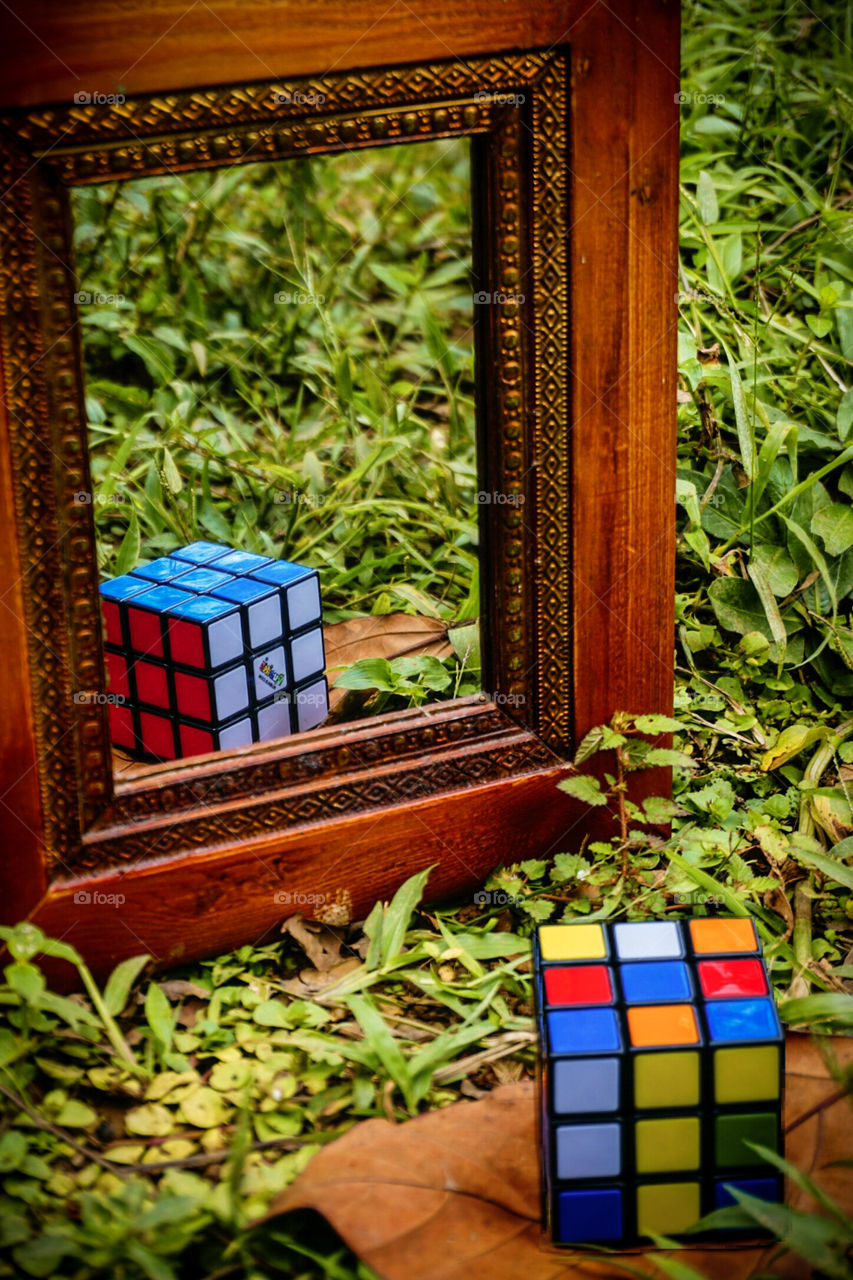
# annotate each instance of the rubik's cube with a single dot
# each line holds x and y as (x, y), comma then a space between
(661, 1058)
(209, 649)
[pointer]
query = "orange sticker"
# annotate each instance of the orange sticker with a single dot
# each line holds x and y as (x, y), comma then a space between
(663, 1024)
(722, 936)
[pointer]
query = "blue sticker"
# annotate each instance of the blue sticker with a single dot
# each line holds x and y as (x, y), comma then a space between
(161, 598)
(742, 1020)
(589, 1215)
(583, 1031)
(123, 588)
(649, 982)
(242, 590)
(761, 1188)
(162, 570)
(201, 579)
(201, 552)
(241, 561)
(200, 608)
(281, 572)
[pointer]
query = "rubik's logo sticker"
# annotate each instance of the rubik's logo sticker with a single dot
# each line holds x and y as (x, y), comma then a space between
(270, 675)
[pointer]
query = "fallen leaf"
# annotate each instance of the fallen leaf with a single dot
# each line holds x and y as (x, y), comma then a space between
(313, 982)
(388, 636)
(320, 942)
(455, 1192)
(177, 988)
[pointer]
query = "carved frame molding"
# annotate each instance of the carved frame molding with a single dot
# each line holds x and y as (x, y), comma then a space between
(515, 108)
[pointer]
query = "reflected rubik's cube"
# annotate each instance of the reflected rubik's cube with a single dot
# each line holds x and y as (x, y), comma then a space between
(661, 1059)
(209, 649)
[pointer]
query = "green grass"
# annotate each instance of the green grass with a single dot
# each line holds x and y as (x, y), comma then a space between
(761, 820)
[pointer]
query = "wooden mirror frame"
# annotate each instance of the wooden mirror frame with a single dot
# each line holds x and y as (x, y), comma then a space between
(574, 220)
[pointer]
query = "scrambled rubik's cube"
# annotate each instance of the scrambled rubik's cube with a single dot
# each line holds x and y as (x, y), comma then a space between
(210, 648)
(661, 1058)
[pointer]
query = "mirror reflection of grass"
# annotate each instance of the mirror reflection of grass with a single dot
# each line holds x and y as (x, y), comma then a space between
(280, 357)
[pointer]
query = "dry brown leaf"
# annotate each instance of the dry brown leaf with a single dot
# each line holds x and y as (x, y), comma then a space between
(454, 1193)
(313, 982)
(178, 988)
(320, 942)
(388, 636)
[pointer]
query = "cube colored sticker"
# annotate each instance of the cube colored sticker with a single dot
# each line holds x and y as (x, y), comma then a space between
(162, 570)
(661, 1062)
(201, 552)
(309, 705)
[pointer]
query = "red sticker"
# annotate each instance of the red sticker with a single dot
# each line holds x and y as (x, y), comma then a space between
(732, 978)
(578, 984)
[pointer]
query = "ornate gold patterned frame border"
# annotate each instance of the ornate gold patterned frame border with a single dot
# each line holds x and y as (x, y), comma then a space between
(514, 108)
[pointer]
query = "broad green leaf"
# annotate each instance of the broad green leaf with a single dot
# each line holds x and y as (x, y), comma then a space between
(777, 566)
(587, 790)
(205, 1108)
(271, 1013)
(589, 745)
(737, 606)
(834, 524)
(13, 1149)
(368, 673)
(791, 741)
(159, 1016)
(120, 982)
(150, 1120)
(654, 725)
(76, 1115)
(26, 980)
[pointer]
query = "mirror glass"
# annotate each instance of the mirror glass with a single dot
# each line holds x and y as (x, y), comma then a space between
(278, 362)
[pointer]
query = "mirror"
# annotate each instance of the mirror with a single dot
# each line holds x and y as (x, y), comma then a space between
(279, 360)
